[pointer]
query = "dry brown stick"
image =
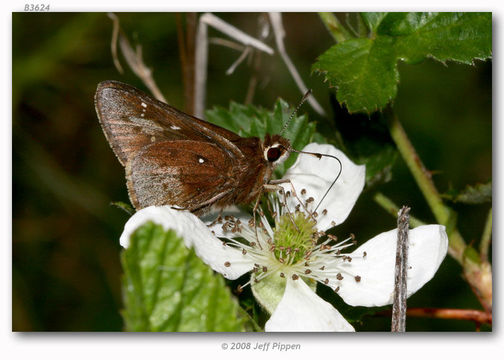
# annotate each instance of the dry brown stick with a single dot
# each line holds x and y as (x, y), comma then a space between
(401, 272)
(133, 58)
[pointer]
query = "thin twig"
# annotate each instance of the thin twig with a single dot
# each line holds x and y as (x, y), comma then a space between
(458, 314)
(477, 316)
(113, 43)
(278, 30)
(263, 33)
(201, 60)
(191, 20)
(134, 59)
(238, 61)
(226, 43)
(185, 41)
(401, 272)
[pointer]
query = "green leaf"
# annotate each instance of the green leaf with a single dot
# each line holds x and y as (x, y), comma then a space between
(472, 194)
(248, 121)
(167, 287)
(365, 69)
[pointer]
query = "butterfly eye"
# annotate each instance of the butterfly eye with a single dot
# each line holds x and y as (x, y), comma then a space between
(273, 154)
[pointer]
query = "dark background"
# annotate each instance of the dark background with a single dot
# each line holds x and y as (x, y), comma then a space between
(65, 251)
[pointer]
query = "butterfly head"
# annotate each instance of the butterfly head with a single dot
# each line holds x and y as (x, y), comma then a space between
(276, 149)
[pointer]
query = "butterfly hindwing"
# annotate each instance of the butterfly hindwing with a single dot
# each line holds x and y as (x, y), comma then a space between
(185, 173)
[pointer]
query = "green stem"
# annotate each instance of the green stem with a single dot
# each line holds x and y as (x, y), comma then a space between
(390, 207)
(477, 274)
(486, 237)
(424, 180)
(335, 28)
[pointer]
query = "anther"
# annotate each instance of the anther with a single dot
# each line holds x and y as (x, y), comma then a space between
(339, 276)
(337, 289)
(295, 277)
(244, 252)
(282, 275)
(264, 269)
(227, 264)
(307, 271)
(364, 254)
(357, 278)
(303, 191)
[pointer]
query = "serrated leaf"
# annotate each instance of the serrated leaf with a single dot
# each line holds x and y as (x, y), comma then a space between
(167, 287)
(365, 69)
(248, 121)
(460, 37)
(472, 194)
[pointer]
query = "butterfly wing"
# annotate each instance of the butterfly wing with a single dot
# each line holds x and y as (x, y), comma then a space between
(132, 120)
(189, 174)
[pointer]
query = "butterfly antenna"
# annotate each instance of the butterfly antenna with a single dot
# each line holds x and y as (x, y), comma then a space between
(318, 155)
(305, 96)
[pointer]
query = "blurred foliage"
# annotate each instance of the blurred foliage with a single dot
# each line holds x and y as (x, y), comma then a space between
(66, 272)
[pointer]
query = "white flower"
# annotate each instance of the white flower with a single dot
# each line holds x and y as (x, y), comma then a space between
(288, 260)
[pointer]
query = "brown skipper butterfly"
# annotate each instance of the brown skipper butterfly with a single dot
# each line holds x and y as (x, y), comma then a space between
(172, 158)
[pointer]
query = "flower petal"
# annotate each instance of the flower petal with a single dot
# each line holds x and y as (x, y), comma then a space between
(302, 310)
(316, 176)
(428, 245)
(195, 234)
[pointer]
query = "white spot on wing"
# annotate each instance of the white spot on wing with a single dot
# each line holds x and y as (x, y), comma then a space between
(201, 160)
(174, 127)
(144, 104)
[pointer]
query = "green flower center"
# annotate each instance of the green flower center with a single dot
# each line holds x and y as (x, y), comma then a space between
(295, 235)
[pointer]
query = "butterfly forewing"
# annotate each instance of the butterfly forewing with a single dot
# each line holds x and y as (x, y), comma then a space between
(132, 120)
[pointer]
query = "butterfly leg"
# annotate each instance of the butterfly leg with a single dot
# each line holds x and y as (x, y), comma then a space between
(285, 181)
(281, 191)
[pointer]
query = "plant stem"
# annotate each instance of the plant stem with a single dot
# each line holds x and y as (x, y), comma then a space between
(390, 207)
(335, 28)
(424, 181)
(477, 274)
(486, 237)
(477, 316)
